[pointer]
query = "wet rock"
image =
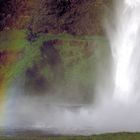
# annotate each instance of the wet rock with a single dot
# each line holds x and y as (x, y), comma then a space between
(50, 53)
(35, 81)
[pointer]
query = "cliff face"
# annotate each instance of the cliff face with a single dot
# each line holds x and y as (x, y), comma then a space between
(78, 17)
(15, 14)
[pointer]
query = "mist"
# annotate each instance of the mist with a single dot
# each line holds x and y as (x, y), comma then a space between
(112, 106)
(37, 113)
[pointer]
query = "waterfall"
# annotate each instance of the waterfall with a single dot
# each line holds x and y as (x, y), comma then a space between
(124, 39)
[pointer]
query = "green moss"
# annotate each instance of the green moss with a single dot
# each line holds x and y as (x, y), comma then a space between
(15, 41)
(12, 39)
(78, 68)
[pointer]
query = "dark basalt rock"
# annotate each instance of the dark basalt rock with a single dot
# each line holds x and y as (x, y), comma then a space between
(6, 11)
(78, 17)
(3, 57)
(15, 14)
(51, 56)
(50, 53)
(35, 81)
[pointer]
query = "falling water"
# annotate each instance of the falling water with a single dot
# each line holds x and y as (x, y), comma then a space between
(124, 45)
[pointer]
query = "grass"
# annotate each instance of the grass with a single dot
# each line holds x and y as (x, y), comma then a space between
(115, 136)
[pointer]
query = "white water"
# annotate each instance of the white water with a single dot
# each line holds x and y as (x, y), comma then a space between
(124, 45)
(120, 112)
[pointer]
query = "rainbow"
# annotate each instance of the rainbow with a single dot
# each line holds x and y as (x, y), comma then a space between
(3, 105)
(12, 43)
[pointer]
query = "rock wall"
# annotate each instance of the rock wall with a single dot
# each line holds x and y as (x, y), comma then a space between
(78, 17)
